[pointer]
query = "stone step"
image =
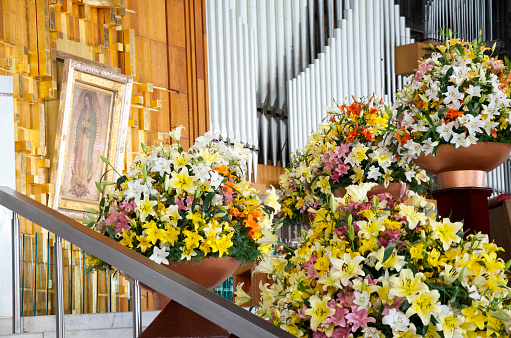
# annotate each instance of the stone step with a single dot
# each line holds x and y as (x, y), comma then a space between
(97, 333)
(114, 324)
(23, 335)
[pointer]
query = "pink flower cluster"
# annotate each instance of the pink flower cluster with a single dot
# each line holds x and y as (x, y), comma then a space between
(423, 68)
(333, 161)
(120, 217)
(347, 316)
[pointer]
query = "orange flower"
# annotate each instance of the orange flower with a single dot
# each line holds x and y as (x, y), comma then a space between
(351, 135)
(224, 170)
(235, 212)
(230, 186)
(403, 139)
(368, 135)
(453, 113)
(252, 223)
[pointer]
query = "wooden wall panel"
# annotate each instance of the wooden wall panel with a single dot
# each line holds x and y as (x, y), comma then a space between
(161, 43)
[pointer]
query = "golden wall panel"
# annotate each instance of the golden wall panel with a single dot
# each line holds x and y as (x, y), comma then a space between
(160, 43)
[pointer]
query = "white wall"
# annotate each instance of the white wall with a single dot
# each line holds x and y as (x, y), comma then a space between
(7, 178)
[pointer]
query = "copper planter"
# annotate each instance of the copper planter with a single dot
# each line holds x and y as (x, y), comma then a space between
(465, 166)
(210, 273)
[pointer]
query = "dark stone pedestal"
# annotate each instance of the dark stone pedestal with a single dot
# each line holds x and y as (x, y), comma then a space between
(468, 204)
(176, 320)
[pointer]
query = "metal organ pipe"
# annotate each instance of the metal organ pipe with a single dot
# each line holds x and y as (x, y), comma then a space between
(212, 67)
(272, 55)
(318, 107)
(350, 51)
(281, 78)
(328, 73)
(362, 43)
(321, 21)
(222, 107)
(234, 123)
(322, 78)
(313, 101)
(274, 64)
(331, 23)
(303, 32)
(344, 61)
(333, 71)
(338, 63)
(371, 60)
(228, 69)
(241, 132)
(356, 47)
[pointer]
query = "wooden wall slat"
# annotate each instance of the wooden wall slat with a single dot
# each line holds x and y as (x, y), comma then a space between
(161, 43)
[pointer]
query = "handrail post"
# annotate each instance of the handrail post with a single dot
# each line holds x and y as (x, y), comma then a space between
(16, 292)
(59, 288)
(136, 308)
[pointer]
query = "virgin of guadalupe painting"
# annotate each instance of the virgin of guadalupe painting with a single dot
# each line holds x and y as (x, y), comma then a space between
(92, 124)
(87, 142)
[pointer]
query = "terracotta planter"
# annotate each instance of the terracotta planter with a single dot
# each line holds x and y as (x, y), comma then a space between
(210, 273)
(393, 188)
(465, 166)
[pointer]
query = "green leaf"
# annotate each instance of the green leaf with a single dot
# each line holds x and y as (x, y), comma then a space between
(143, 147)
(92, 218)
(120, 181)
(92, 210)
(104, 159)
(110, 232)
(413, 267)
(439, 288)
(500, 314)
(288, 249)
(388, 251)
(461, 276)
(351, 230)
(99, 187)
(144, 171)
(508, 264)
(207, 201)
(425, 330)
(106, 183)
(508, 63)
(405, 306)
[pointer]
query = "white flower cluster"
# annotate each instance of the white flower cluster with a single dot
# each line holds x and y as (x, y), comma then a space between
(455, 97)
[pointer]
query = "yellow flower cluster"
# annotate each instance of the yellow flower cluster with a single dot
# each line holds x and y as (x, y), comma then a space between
(176, 205)
(381, 268)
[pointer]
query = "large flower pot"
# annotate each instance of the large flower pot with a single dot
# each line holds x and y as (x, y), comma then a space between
(209, 273)
(465, 166)
(395, 189)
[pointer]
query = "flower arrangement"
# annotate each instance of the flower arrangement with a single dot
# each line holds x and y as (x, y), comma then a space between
(382, 268)
(176, 205)
(458, 96)
(350, 148)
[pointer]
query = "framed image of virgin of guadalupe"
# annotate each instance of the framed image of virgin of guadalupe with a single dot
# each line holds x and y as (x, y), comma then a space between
(92, 123)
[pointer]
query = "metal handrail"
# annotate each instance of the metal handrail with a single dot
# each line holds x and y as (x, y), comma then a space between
(205, 303)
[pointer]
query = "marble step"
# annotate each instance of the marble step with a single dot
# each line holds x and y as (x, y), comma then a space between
(115, 324)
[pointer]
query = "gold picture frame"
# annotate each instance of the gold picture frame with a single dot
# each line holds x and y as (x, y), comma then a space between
(92, 122)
